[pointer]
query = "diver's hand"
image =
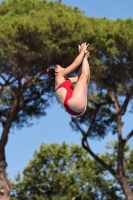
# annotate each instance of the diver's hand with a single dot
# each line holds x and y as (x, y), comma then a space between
(84, 46)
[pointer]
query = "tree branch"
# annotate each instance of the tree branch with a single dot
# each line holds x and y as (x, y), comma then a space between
(10, 92)
(42, 82)
(13, 113)
(2, 120)
(128, 136)
(107, 167)
(3, 77)
(125, 104)
(30, 82)
(4, 137)
(81, 130)
(92, 120)
(113, 99)
(87, 148)
(4, 113)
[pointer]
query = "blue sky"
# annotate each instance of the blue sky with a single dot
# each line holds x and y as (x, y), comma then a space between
(55, 126)
(111, 9)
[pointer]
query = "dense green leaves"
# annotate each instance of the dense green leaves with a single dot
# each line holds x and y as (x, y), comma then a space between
(34, 34)
(111, 73)
(65, 172)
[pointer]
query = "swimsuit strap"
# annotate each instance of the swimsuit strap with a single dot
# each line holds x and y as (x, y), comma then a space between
(65, 84)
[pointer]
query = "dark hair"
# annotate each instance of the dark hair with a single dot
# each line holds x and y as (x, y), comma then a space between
(51, 71)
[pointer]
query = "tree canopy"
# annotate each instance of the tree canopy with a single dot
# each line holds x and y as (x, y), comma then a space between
(110, 92)
(67, 172)
(35, 34)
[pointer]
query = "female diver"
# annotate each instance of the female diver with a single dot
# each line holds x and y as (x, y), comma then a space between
(74, 100)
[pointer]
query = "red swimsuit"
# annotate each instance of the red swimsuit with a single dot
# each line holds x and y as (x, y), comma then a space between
(67, 84)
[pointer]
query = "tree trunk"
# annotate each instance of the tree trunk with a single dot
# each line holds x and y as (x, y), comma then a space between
(4, 185)
(126, 188)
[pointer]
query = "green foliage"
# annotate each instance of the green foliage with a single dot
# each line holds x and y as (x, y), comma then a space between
(111, 70)
(65, 172)
(33, 35)
(128, 159)
(37, 33)
(114, 47)
(42, 28)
